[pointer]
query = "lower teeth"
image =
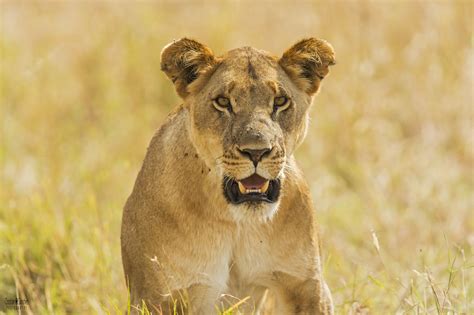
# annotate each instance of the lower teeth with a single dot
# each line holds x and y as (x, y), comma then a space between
(249, 191)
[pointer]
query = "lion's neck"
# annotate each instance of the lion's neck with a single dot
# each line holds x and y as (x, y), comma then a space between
(174, 170)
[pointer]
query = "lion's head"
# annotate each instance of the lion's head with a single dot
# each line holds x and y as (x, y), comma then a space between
(248, 110)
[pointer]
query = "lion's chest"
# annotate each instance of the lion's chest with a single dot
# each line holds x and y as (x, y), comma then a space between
(251, 255)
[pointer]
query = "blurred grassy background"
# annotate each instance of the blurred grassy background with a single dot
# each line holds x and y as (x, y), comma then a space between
(389, 154)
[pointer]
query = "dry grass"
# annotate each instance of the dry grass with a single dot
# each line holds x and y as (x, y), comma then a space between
(389, 155)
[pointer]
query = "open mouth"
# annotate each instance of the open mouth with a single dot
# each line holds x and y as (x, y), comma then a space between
(253, 188)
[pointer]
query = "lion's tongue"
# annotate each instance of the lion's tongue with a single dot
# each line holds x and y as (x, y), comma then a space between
(254, 182)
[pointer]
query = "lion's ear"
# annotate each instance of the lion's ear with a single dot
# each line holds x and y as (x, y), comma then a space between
(307, 63)
(184, 60)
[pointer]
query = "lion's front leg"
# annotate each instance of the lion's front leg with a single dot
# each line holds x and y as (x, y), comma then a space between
(202, 299)
(307, 297)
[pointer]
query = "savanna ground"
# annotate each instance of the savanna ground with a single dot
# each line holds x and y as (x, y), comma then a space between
(389, 154)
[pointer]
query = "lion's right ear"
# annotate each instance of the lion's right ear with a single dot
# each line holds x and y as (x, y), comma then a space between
(184, 60)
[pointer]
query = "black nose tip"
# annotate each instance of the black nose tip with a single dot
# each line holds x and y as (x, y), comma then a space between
(255, 155)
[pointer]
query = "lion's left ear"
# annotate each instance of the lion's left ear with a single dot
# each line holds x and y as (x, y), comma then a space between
(307, 63)
(184, 61)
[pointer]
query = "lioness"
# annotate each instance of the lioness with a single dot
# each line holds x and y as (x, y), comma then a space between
(220, 211)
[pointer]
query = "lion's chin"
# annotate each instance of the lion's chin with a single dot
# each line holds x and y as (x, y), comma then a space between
(253, 212)
(251, 190)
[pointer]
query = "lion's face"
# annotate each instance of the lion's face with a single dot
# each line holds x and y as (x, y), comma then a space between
(248, 111)
(246, 121)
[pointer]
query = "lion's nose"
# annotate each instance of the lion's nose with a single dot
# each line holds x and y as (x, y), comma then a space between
(255, 155)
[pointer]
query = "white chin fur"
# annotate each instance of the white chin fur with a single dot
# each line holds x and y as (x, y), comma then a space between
(251, 213)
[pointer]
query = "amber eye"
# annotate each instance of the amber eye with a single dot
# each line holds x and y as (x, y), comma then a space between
(222, 103)
(280, 102)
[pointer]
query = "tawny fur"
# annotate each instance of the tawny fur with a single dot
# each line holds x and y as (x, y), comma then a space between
(183, 244)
